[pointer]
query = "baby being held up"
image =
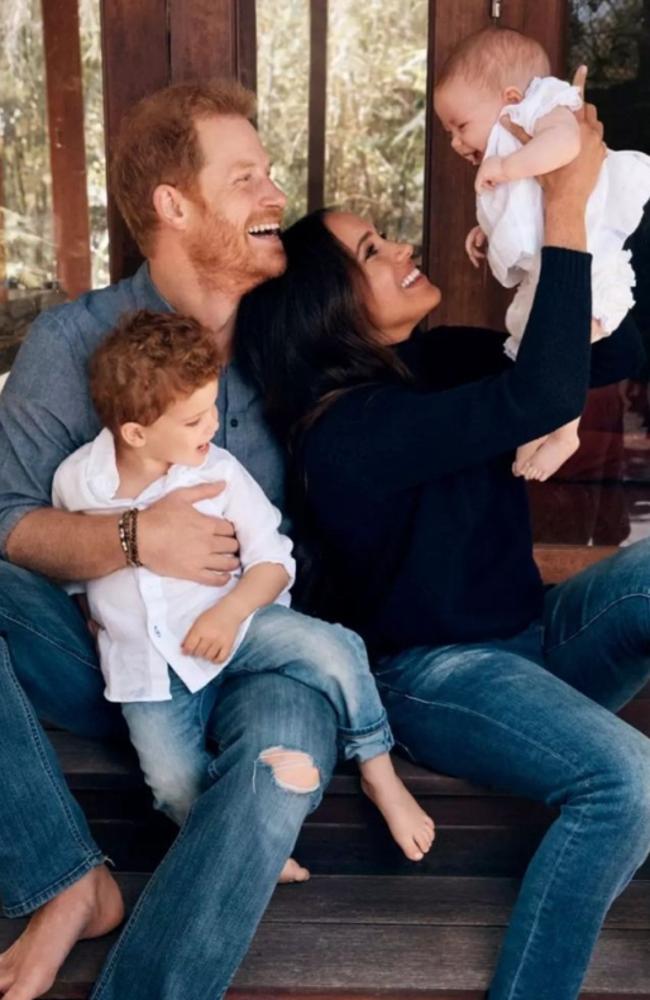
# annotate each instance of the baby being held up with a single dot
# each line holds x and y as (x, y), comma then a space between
(499, 72)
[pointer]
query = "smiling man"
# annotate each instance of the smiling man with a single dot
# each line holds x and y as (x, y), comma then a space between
(192, 181)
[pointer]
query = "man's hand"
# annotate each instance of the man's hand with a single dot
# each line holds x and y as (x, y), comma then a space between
(492, 171)
(213, 634)
(174, 539)
(475, 244)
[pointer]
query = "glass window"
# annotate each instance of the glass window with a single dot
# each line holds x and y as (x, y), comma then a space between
(30, 257)
(375, 106)
(602, 495)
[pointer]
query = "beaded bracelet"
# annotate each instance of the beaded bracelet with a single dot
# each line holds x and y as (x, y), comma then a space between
(128, 531)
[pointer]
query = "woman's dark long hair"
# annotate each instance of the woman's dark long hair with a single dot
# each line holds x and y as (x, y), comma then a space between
(304, 338)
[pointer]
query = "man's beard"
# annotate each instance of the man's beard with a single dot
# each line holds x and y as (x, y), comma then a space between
(223, 259)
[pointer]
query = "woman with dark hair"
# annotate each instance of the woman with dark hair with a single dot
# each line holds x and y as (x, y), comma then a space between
(401, 447)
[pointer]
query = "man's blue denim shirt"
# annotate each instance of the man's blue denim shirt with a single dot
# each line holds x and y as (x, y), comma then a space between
(46, 411)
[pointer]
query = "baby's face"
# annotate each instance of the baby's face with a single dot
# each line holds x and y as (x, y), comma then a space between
(468, 113)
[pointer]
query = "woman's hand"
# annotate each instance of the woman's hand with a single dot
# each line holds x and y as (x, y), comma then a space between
(567, 189)
(574, 182)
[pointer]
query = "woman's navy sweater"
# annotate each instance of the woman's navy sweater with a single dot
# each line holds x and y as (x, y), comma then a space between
(410, 487)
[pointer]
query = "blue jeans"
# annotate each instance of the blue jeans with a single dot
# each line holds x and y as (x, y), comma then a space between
(170, 736)
(534, 715)
(193, 914)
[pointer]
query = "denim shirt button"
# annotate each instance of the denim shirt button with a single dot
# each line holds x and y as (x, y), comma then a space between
(234, 422)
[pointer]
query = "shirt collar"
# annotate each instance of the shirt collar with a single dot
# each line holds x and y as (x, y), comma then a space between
(146, 292)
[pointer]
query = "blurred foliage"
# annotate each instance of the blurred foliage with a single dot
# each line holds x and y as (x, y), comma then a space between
(375, 123)
(376, 83)
(606, 35)
(26, 197)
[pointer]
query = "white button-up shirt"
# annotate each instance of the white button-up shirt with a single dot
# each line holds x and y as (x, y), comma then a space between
(145, 617)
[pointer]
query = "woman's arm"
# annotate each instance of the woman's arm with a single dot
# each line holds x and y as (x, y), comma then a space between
(401, 437)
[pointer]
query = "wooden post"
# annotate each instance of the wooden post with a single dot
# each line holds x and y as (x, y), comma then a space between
(213, 38)
(135, 63)
(317, 104)
(67, 148)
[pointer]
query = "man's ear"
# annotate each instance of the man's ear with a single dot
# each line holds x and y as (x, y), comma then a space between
(512, 95)
(133, 434)
(170, 205)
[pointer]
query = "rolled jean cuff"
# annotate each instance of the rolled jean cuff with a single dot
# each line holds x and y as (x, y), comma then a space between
(364, 744)
(34, 902)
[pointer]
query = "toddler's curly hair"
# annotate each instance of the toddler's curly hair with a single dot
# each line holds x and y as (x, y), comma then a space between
(147, 362)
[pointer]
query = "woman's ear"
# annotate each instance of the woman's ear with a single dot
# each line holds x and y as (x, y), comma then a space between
(512, 95)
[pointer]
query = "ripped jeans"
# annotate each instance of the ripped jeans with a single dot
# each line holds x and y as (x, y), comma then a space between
(170, 736)
(200, 909)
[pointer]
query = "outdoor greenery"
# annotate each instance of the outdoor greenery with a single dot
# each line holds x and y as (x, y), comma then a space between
(375, 122)
(25, 188)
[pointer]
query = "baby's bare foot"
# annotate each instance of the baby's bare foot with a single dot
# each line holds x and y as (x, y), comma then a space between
(88, 908)
(411, 827)
(548, 459)
(293, 872)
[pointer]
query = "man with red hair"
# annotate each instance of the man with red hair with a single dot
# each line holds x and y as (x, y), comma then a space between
(192, 181)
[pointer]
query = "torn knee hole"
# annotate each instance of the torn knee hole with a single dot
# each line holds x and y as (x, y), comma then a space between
(292, 770)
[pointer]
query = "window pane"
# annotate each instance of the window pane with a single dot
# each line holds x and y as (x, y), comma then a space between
(91, 64)
(376, 102)
(283, 95)
(601, 496)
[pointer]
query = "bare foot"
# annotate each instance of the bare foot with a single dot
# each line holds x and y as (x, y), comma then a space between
(88, 908)
(548, 459)
(411, 827)
(525, 453)
(293, 872)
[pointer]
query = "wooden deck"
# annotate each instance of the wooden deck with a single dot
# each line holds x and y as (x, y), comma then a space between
(369, 925)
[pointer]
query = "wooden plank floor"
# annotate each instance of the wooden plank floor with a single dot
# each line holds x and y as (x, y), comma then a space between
(436, 938)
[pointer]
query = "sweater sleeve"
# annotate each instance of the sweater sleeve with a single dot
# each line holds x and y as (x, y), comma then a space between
(618, 356)
(395, 437)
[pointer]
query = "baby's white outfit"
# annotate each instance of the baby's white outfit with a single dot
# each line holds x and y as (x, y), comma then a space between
(144, 617)
(511, 216)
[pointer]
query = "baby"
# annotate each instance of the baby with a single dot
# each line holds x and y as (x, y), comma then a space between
(164, 643)
(499, 72)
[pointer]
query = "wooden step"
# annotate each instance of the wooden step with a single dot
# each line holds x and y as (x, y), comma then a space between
(479, 832)
(390, 938)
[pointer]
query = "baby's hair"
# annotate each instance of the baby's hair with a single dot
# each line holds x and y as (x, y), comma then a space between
(496, 58)
(146, 363)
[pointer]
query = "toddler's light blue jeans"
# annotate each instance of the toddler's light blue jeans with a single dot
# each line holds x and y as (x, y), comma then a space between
(170, 736)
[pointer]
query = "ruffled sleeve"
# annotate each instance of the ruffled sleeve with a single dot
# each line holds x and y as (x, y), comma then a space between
(543, 95)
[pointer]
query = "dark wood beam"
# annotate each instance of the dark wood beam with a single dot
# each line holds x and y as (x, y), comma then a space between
(317, 104)
(65, 111)
(203, 39)
(136, 63)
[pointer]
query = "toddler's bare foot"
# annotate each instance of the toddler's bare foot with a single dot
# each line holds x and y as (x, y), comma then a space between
(548, 459)
(524, 454)
(410, 826)
(293, 872)
(88, 908)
